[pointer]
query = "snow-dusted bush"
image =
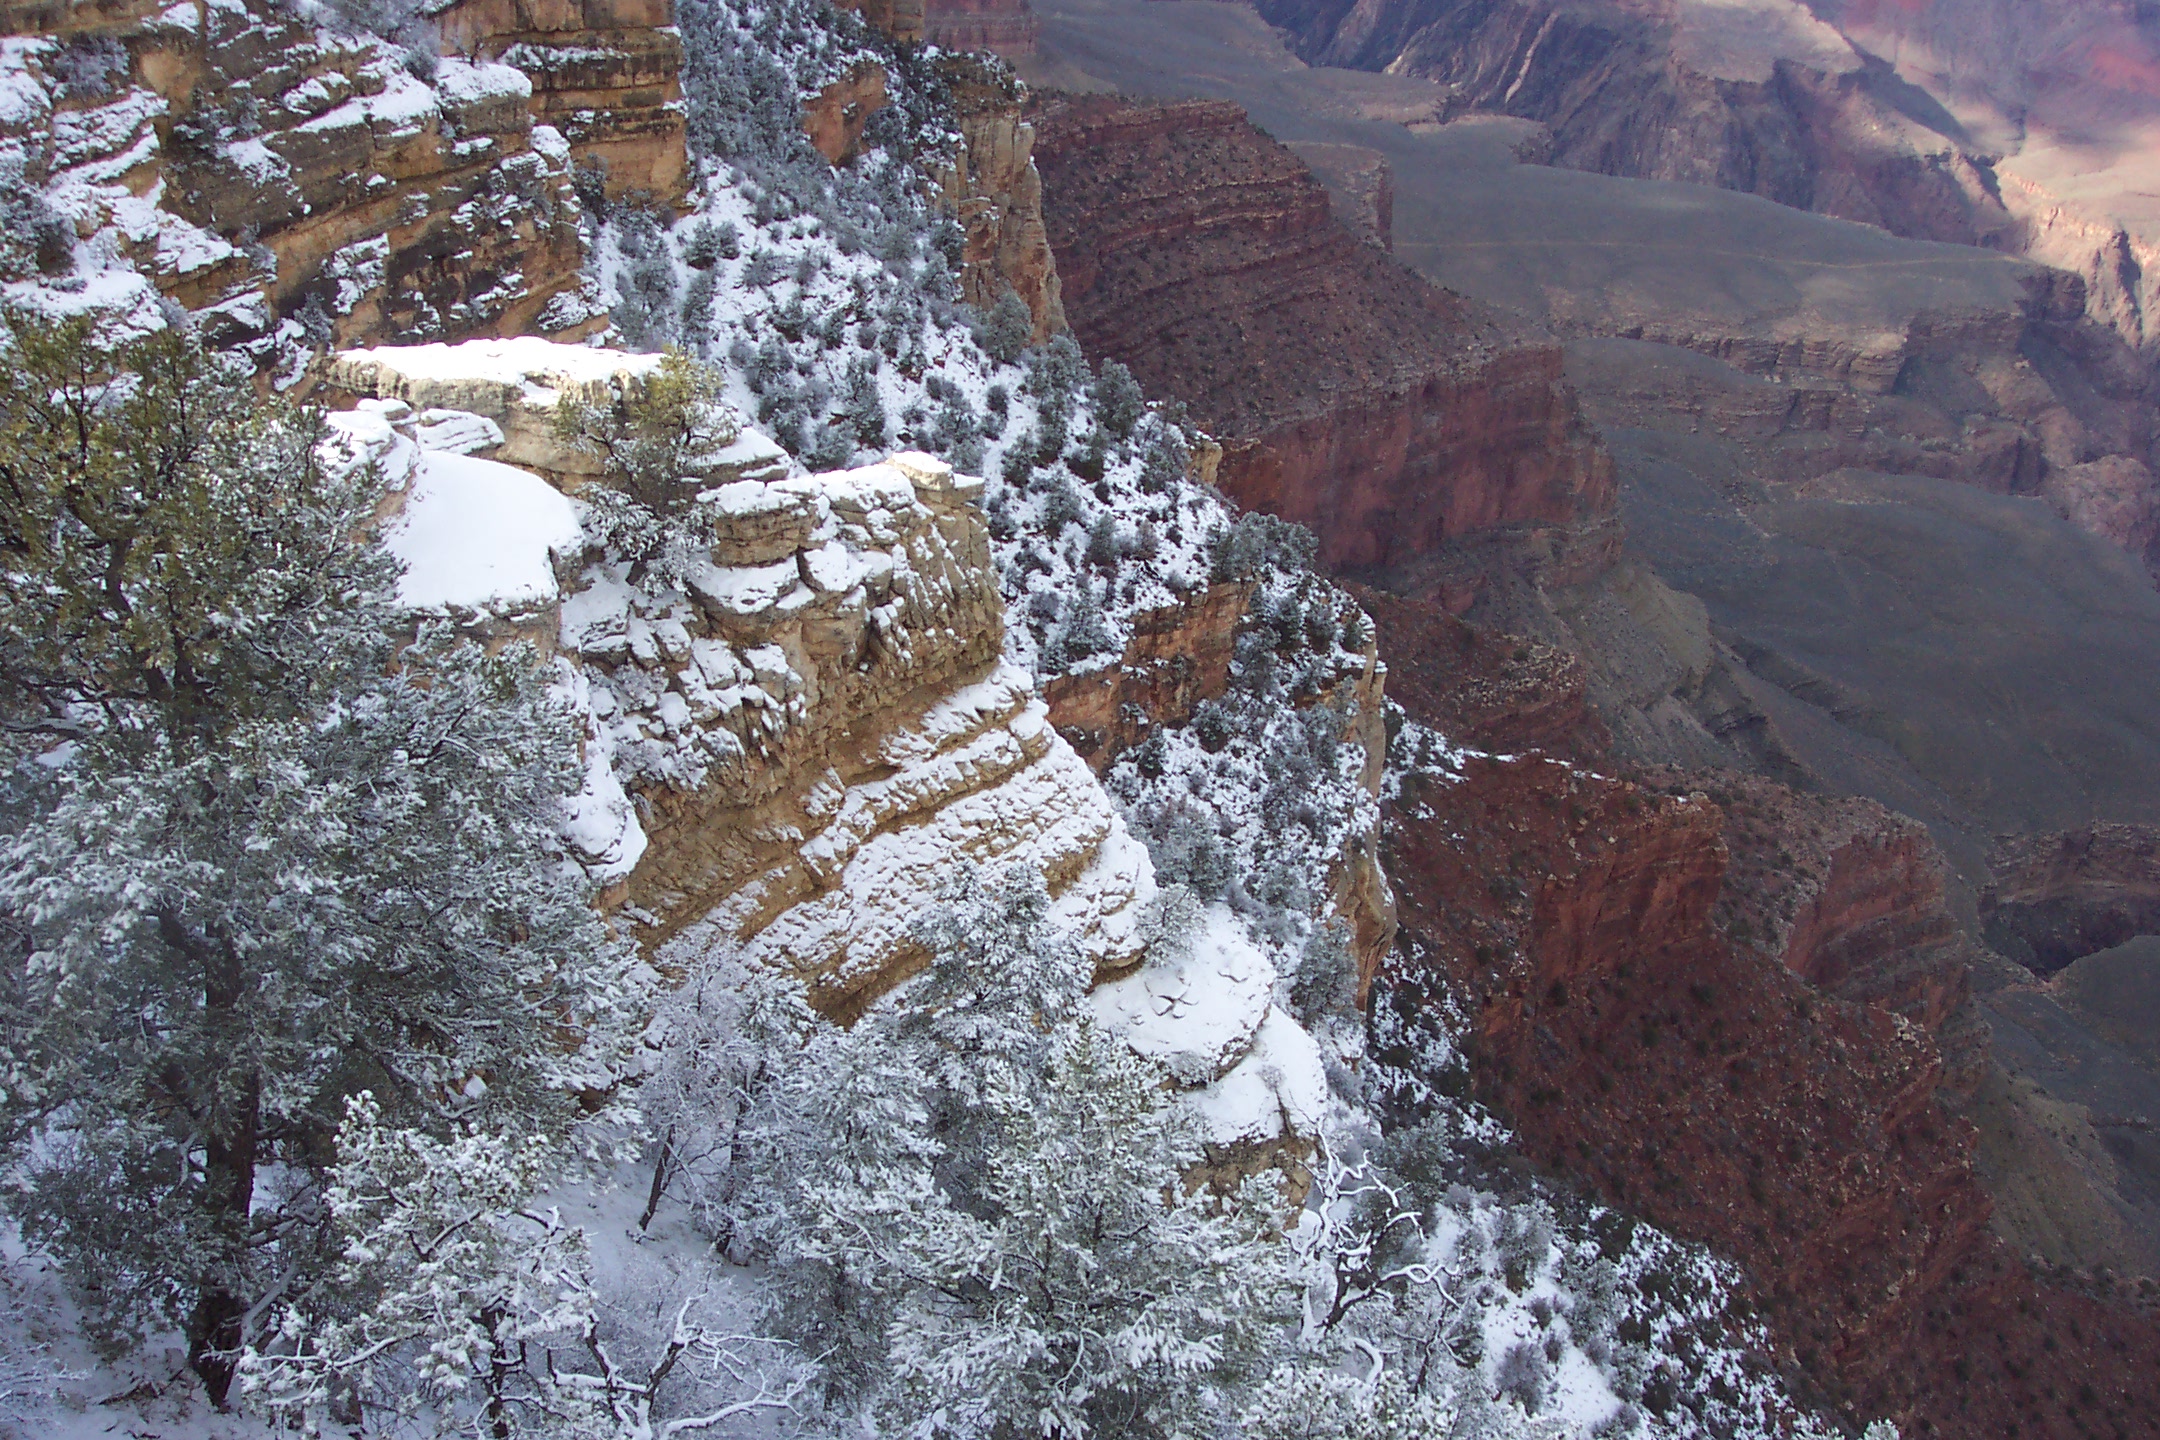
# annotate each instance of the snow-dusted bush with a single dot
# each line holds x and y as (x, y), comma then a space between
(466, 1307)
(972, 1201)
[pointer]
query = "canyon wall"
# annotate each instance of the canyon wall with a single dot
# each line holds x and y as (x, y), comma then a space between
(994, 189)
(2026, 129)
(295, 187)
(1004, 27)
(1707, 1083)
(2060, 896)
(794, 751)
(1393, 418)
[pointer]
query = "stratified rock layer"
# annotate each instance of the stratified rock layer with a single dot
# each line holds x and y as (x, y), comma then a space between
(1393, 418)
(2061, 896)
(995, 191)
(1710, 1087)
(294, 186)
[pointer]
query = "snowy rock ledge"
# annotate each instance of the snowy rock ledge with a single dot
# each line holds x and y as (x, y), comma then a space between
(789, 754)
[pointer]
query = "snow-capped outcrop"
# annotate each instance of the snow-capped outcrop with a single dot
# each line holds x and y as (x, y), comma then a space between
(295, 181)
(798, 746)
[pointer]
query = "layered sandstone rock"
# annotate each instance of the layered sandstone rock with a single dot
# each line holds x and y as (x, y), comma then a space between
(2026, 129)
(1178, 657)
(2060, 896)
(2026, 396)
(1393, 418)
(1004, 27)
(1853, 899)
(607, 74)
(792, 753)
(296, 187)
(834, 117)
(994, 190)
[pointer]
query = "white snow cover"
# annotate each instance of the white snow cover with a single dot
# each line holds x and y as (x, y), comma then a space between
(457, 432)
(1281, 1080)
(480, 536)
(1194, 1013)
(521, 360)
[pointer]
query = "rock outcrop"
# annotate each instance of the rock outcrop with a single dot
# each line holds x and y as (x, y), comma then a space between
(296, 187)
(1178, 657)
(995, 191)
(606, 74)
(1360, 186)
(834, 117)
(2061, 896)
(792, 752)
(1395, 419)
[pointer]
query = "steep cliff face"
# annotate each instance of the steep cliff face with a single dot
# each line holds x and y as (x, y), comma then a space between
(1178, 657)
(1391, 417)
(607, 74)
(1852, 899)
(1483, 689)
(1712, 1088)
(294, 186)
(995, 191)
(1003, 27)
(790, 753)
(2059, 897)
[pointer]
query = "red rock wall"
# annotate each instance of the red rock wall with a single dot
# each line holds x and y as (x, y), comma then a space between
(1391, 416)
(1178, 657)
(1006, 27)
(1711, 1089)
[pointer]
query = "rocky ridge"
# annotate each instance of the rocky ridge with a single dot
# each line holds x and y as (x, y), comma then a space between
(793, 752)
(1393, 418)
(295, 185)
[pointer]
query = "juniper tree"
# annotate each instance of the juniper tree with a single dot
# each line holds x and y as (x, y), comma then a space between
(261, 854)
(1118, 401)
(658, 437)
(977, 1203)
(1004, 332)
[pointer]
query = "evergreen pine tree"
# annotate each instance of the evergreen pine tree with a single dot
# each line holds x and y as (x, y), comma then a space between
(262, 856)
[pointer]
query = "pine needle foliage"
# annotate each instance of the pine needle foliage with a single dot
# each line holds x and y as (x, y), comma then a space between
(263, 851)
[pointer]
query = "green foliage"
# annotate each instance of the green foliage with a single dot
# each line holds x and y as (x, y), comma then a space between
(659, 437)
(263, 854)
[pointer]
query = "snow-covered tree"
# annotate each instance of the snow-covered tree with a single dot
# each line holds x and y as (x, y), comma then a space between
(658, 439)
(467, 1308)
(973, 1202)
(261, 854)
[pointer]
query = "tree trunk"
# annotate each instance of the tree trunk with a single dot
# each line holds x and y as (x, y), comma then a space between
(231, 1139)
(659, 1179)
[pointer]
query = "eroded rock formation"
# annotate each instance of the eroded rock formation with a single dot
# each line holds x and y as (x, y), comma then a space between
(607, 74)
(1393, 418)
(794, 751)
(294, 187)
(1709, 1086)
(995, 191)
(2061, 896)
(1004, 27)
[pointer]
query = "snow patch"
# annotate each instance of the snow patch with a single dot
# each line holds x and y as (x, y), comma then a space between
(480, 536)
